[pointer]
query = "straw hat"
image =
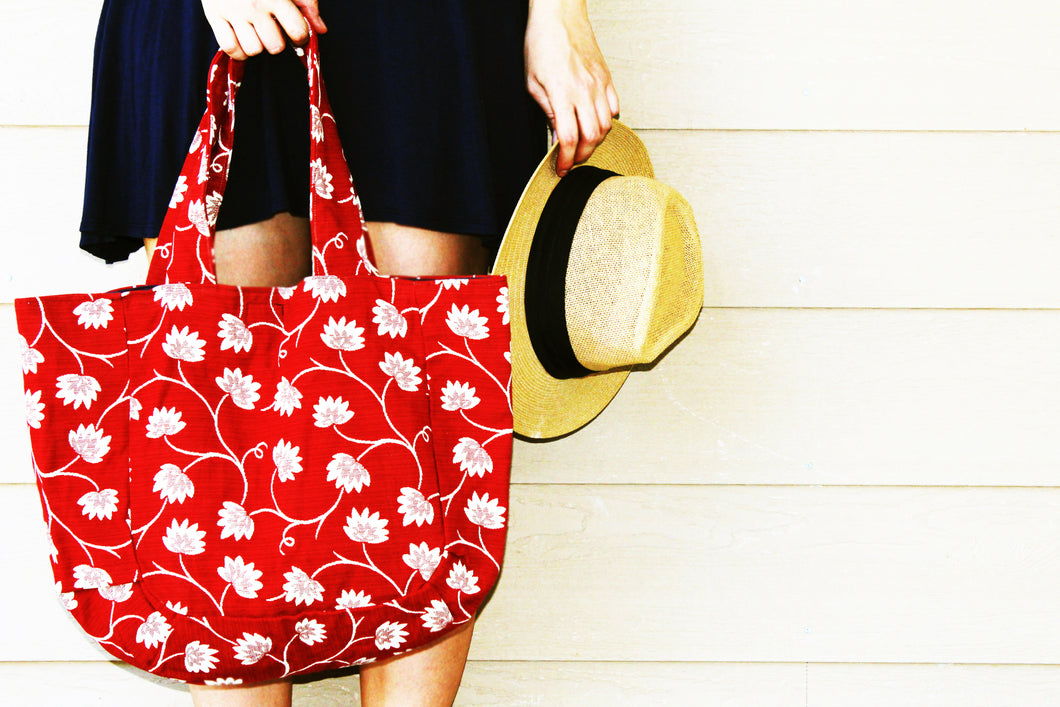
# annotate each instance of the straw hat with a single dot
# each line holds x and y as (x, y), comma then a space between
(604, 273)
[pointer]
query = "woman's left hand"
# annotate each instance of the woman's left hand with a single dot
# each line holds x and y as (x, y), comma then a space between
(567, 75)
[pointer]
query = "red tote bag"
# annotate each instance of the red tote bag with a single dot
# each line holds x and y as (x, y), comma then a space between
(244, 484)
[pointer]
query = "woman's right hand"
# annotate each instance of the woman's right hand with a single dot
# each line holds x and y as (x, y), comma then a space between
(244, 28)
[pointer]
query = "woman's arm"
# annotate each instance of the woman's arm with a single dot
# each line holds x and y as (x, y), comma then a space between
(247, 27)
(567, 75)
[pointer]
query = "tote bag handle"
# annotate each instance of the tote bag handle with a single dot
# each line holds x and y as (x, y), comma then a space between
(184, 252)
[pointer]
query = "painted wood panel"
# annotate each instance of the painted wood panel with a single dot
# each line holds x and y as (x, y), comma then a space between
(787, 219)
(792, 396)
(726, 573)
(576, 684)
(763, 64)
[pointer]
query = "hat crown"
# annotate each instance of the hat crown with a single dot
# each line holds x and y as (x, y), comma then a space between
(634, 278)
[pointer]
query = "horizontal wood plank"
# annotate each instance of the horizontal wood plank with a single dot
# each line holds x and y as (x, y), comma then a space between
(575, 684)
(786, 219)
(729, 573)
(792, 396)
(760, 64)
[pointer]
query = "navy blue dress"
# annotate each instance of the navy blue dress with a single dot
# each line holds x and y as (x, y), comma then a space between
(429, 98)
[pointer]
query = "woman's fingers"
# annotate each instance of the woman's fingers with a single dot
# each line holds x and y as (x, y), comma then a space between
(244, 28)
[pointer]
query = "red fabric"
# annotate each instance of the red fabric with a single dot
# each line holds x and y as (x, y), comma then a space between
(252, 483)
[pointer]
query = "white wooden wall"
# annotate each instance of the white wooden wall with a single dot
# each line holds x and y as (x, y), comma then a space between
(840, 489)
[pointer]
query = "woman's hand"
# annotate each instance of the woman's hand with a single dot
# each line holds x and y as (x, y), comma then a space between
(567, 75)
(247, 27)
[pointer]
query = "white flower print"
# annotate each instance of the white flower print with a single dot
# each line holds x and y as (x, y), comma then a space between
(485, 511)
(467, 323)
(234, 334)
(154, 631)
(242, 576)
(77, 390)
(34, 409)
(462, 579)
(287, 461)
(178, 190)
(173, 485)
(164, 421)
(423, 558)
(310, 631)
(351, 600)
(89, 577)
(184, 345)
(173, 296)
(286, 292)
(415, 507)
(223, 682)
(68, 599)
(362, 242)
(472, 458)
(235, 522)
(243, 389)
(402, 370)
(30, 356)
(321, 179)
(116, 593)
(196, 142)
(197, 215)
(177, 608)
(331, 411)
(99, 504)
(251, 648)
(199, 657)
(342, 336)
(94, 313)
(89, 443)
(287, 398)
(453, 283)
(213, 207)
(326, 288)
(300, 587)
(316, 124)
(134, 409)
(364, 528)
(458, 396)
(391, 322)
(390, 635)
(204, 170)
(502, 306)
(348, 473)
(184, 539)
(436, 616)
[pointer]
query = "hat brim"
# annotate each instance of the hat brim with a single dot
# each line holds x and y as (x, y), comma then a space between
(543, 406)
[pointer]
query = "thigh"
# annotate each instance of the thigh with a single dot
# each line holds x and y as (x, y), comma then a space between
(404, 250)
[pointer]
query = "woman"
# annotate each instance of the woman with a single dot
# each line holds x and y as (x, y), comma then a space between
(438, 171)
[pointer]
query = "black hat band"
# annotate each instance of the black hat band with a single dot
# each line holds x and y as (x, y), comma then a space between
(546, 271)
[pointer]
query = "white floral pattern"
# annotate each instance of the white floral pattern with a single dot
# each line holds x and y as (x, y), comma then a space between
(154, 630)
(485, 511)
(331, 411)
(352, 600)
(423, 558)
(391, 322)
(390, 634)
(502, 306)
(99, 504)
(179, 189)
(436, 616)
(185, 538)
(184, 345)
(88, 577)
(288, 398)
(243, 389)
(34, 409)
(467, 323)
(458, 396)
(251, 648)
(173, 485)
(30, 356)
(321, 179)
(326, 288)
(77, 390)
(163, 422)
(174, 296)
(285, 457)
(234, 334)
(116, 593)
(404, 372)
(462, 579)
(235, 522)
(199, 657)
(342, 335)
(95, 313)
(245, 580)
(310, 631)
(362, 527)
(89, 443)
(472, 457)
(414, 507)
(301, 588)
(348, 473)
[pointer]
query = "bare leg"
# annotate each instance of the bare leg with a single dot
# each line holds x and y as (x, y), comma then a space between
(266, 694)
